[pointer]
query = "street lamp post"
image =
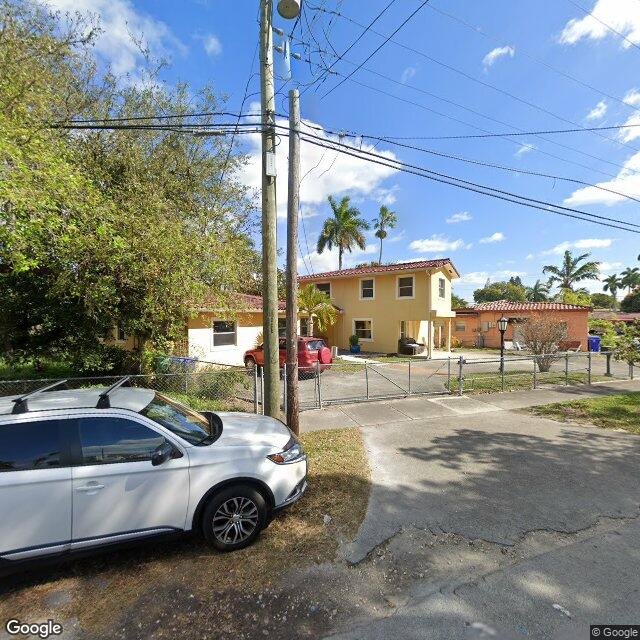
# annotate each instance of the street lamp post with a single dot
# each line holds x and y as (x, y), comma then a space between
(502, 327)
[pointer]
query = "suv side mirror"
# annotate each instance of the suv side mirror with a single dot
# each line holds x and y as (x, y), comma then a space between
(164, 452)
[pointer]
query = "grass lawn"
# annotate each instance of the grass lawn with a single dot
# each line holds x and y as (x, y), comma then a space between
(137, 586)
(611, 412)
(28, 371)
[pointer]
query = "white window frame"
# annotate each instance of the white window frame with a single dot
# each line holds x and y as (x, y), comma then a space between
(220, 347)
(330, 287)
(373, 297)
(117, 331)
(413, 287)
(442, 281)
(353, 328)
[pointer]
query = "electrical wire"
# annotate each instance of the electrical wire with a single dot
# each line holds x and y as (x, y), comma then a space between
(387, 39)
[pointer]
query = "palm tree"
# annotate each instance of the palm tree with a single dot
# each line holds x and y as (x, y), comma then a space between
(612, 284)
(315, 304)
(572, 271)
(386, 220)
(344, 230)
(630, 278)
(539, 292)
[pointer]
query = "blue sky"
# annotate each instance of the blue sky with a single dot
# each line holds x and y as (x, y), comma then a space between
(213, 41)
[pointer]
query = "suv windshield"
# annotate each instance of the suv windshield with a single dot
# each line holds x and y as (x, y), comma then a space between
(184, 422)
(315, 345)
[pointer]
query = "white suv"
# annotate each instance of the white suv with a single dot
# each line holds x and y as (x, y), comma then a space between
(94, 467)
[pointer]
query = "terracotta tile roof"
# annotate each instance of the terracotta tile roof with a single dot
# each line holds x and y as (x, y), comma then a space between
(614, 316)
(507, 306)
(384, 268)
(244, 301)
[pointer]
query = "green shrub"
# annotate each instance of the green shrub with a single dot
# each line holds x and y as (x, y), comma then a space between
(631, 302)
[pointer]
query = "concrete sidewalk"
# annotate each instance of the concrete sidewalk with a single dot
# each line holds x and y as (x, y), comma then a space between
(420, 407)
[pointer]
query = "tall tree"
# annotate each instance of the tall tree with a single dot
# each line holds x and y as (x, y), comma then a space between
(316, 305)
(612, 284)
(500, 291)
(571, 271)
(344, 230)
(630, 278)
(386, 220)
(539, 292)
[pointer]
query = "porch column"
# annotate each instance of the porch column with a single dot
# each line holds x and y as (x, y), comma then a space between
(448, 334)
(430, 329)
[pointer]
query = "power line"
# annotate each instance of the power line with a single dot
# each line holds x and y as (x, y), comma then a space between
(480, 82)
(424, 3)
(539, 61)
(604, 24)
(468, 185)
(355, 42)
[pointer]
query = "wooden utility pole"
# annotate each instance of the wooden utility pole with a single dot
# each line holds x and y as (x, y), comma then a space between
(271, 370)
(292, 262)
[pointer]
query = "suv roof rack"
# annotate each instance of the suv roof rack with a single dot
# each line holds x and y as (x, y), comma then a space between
(20, 403)
(103, 398)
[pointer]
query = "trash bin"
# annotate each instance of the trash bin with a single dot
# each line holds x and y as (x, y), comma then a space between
(594, 343)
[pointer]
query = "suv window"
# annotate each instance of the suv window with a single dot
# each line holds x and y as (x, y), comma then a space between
(110, 440)
(184, 422)
(30, 445)
(315, 345)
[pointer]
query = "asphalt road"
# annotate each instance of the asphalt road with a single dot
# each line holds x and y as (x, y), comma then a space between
(504, 525)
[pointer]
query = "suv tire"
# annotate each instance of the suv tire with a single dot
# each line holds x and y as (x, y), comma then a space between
(234, 517)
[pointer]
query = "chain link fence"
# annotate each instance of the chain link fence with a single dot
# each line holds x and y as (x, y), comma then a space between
(217, 387)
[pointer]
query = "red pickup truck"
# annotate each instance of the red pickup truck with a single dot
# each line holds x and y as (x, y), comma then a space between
(310, 351)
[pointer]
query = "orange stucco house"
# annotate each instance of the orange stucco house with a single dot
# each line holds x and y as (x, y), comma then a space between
(477, 326)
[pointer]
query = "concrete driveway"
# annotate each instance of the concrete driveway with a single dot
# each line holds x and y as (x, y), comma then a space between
(503, 525)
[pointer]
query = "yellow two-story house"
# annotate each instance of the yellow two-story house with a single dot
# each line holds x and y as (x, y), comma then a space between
(382, 304)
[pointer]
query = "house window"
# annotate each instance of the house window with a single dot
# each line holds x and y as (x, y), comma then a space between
(460, 326)
(282, 327)
(120, 333)
(224, 333)
(488, 325)
(405, 287)
(403, 329)
(441, 288)
(363, 329)
(304, 326)
(367, 290)
(325, 287)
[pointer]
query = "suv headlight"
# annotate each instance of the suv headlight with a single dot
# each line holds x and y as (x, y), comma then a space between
(293, 452)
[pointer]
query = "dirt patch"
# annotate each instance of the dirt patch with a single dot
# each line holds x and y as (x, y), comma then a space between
(186, 587)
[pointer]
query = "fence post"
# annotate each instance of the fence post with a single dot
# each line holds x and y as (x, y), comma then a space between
(366, 377)
(460, 375)
(255, 389)
(409, 376)
(535, 375)
(589, 368)
(608, 355)
(566, 369)
(284, 391)
(631, 370)
(449, 374)
(262, 393)
(319, 391)
(502, 371)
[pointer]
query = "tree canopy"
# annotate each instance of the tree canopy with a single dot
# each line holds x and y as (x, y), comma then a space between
(492, 292)
(99, 227)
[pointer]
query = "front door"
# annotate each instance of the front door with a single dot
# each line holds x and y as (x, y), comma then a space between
(117, 492)
(35, 489)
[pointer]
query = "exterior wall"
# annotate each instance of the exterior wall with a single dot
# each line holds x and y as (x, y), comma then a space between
(386, 310)
(469, 334)
(577, 326)
(200, 334)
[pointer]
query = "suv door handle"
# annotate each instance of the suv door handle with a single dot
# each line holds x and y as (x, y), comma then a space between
(92, 487)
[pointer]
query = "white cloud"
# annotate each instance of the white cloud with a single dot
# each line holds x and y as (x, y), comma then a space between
(525, 148)
(530, 256)
(598, 111)
(627, 182)
(396, 238)
(324, 171)
(631, 130)
(124, 29)
(586, 243)
(621, 15)
(436, 244)
(495, 54)
(608, 267)
(462, 216)
(328, 260)
(212, 45)
(481, 277)
(498, 236)
(407, 74)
